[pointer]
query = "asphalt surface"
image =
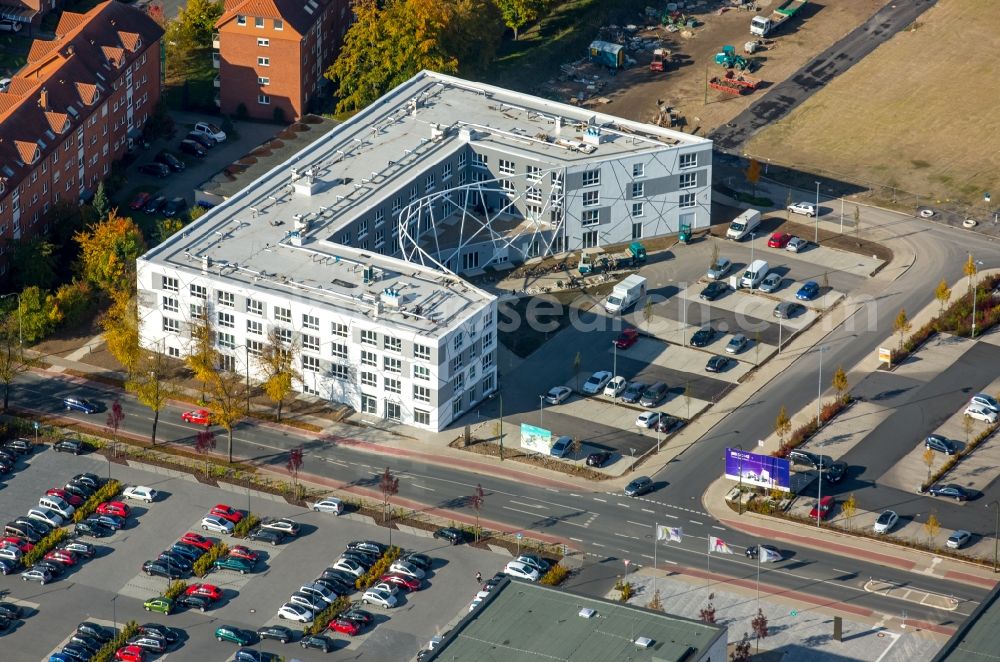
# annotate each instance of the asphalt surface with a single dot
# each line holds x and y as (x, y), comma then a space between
(844, 54)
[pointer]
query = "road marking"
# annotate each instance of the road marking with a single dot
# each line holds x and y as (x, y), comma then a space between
(669, 561)
(720, 528)
(601, 500)
(846, 572)
(423, 487)
(648, 526)
(534, 514)
(647, 510)
(696, 522)
(622, 535)
(597, 544)
(624, 505)
(670, 516)
(552, 490)
(646, 556)
(574, 495)
(529, 505)
(575, 539)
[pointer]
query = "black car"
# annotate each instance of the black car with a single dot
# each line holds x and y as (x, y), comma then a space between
(8, 456)
(188, 552)
(451, 534)
(175, 560)
(251, 655)
(154, 645)
(96, 631)
(92, 480)
(951, 491)
(78, 547)
(10, 610)
(276, 632)
(703, 336)
(77, 652)
(112, 522)
(194, 601)
(422, 561)
(73, 403)
(669, 423)
(598, 459)
(169, 160)
(713, 290)
(20, 446)
(8, 567)
(334, 575)
(90, 643)
(194, 149)
(369, 546)
(55, 568)
(169, 635)
(205, 141)
(93, 529)
(359, 616)
(639, 486)
(154, 169)
(363, 558)
(940, 444)
(834, 473)
(40, 528)
(22, 530)
(717, 363)
(786, 310)
(6, 466)
(154, 204)
(74, 446)
(161, 569)
(654, 395)
(270, 537)
(318, 642)
(174, 207)
(334, 585)
(78, 489)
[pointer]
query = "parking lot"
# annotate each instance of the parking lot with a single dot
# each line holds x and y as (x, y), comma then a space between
(110, 588)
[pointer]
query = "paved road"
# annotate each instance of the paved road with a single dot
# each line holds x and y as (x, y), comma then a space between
(788, 94)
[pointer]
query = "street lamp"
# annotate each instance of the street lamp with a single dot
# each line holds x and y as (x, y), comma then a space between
(996, 531)
(541, 411)
(753, 235)
(975, 294)
(817, 213)
(819, 409)
(500, 396)
(739, 499)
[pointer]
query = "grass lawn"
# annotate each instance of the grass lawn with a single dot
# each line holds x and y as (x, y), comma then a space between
(199, 75)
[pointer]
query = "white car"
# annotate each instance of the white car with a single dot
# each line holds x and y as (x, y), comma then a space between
(886, 521)
(596, 383)
(981, 413)
(386, 587)
(615, 387)
(407, 569)
(806, 208)
(557, 394)
(349, 566)
(329, 505)
(319, 591)
(217, 524)
(958, 539)
(521, 571)
(293, 612)
(210, 130)
(378, 597)
(140, 493)
(985, 401)
(647, 419)
(47, 515)
(796, 245)
(11, 554)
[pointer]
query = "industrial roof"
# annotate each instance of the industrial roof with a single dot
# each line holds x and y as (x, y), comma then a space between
(522, 622)
(979, 636)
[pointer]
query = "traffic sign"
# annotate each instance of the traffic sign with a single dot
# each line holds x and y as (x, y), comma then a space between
(519, 536)
(627, 562)
(36, 425)
(794, 612)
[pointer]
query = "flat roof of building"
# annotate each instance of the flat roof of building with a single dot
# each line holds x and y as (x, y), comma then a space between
(523, 622)
(979, 636)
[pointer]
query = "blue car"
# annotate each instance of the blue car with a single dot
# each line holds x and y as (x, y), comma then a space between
(80, 404)
(808, 291)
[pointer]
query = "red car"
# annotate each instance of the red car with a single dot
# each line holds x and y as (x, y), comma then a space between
(68, 497)
(344, 626)
(627, 338)
(197, 540)
(130, 654)
(198, 417)
(114, 508)
(207, 590)
(20, 543)
(241, 552)
(779, 240)
(409, 583)
(824, 508)
(63, 556)
(226, 512)
(139, 201)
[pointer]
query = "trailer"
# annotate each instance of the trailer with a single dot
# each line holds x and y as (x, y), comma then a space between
(761, 26)
(607, 54)
(734, 83)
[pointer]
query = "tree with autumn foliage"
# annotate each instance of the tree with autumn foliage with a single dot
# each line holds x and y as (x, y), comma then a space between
(151, 384)
(203, 357)
(121, 329)
(108, 250)
(518, 13)
(276, 362)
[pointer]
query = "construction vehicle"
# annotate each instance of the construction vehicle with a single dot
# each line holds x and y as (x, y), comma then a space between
(761, 26)
(730, 60)
(629, 258)
(661, 57)
(589, 259)
(684, 236)
(734, 83)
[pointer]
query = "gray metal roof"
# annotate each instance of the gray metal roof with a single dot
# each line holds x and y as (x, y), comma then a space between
(979, 637)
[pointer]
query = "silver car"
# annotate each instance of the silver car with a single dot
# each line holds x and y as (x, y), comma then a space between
(796, 245)
(771, 283)
(719, 268)
(379, 597)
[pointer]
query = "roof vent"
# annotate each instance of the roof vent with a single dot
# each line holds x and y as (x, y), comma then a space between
(206, 264)
(390, 298)
(466, 134)
(643, 642)
(593, 136)
(587, 612)
(304, 184)
(437, 133)
(412, 106)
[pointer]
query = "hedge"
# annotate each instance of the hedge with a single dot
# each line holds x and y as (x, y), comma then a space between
(955, 459)
(380, 568)
(323, 618)
(106, 492)
(175, 589)
(106, 653)
(44, 546)
(811, 427)
(203, 565)
(246, 525)
(556, 575)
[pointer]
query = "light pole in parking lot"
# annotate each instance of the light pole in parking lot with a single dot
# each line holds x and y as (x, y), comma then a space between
(739, 499)
(996, 531)
(819, 410)
(541, 411)
(817, 213)
(114, 610)
(975, 293)
(753, 235)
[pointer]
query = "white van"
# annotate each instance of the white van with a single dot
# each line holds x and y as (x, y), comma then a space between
(754, 274)
(57, 504)
(743, 225)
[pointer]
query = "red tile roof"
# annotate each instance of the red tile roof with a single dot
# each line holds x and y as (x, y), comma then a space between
(68, 22)
(87, 91)
(113, 55)
(300, 15)
(57, 121)
(27, 151)
(40, 49)
(130, 40)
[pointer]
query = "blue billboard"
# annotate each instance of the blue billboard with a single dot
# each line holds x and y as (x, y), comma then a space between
(760, 470)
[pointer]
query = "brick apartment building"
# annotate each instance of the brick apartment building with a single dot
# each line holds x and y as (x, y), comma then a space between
(29, 13)
(271, 54)
(72, 111)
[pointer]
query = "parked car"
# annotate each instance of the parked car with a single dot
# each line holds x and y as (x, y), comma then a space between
(985, 401)
(197, 540)
(193, 148)
(73, 403)
(317, 641)
(226, 512)
(20, 446)
(174, 207)
(130, 654)
(938, 443)
(155, 169)
(344, 626)
(639, 486)
(154, 645)
(808, 291)
(205, 141)
(533, 561)
(78, 547)
(235, 635)
(243, 552)
(234, 563)
(805, 208)
(668, 424)
(719, 268)
(717, 363)
(46, 515)
(981, 413)
(162, 569)
(654, 395)
(139, 201)
(561, 446)
(598, 459)
(277, 632)
(92, 529)
(210, 130)
(37, 574)
(886, 520)
(633, 392)
(217, 524)
(154, 205)
(737, 344)
(113, 522)
(950, 491)
(778, 240)
(272, 538)
(958, 539)
(596, 382)
(329, 505)
(310, 602)
(281, 525)
(771, 283)
(406, 569)
(522, 571)
(139, 493)
(114, 508)
(835, 472)
(93, 481)
(369, 546)
(169, 160)
(74, 446)
(169, 635)
(160, 604)
(615, 387)
(408, 583)
(558, 394)
(422, 561)
(210, 591)
(647, 419)
(713, 290)
(380, 597)
(703, 336)
(786, 310)
(797, 245)
(823, 509)
(627, 338)
(194, 601)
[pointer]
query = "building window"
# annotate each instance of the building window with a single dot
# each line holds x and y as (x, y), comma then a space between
(173, 352)
(421, 417)
(591, 198)
(421, 372)
(638, 169)
(369, 358)
(392, 386)
(264, 61)
(379, 217)
(263, 81)
(534, 173)
(637, 230)
(171, 325)
(241, 20)
(590, 217)
(255, 327)
(590, 239)
(591, 177)
(393, 411)
(369, 337)
(422, 352)
(170, 284)
(637, 209)
(392, 344)
(255, 348)
(284, 336)
(479, 160)
(227, 320)
(533, 194)
(227, 363)
(533, 212)
(505, 167)
(487, 339)
(689, 179)
(197, 311)
(340, 372)
(459, 342)
(429, 182)
(258, 22)
(446, 171)
(282, 314)
(421, 393)
(339, 329)
(170, 305)
(369, 379)
(310, 343)
(687, 200)
(263, 42)
(638, 190)
(255, 307)
(310, 322)
(199, 291)
(310, 364)
(227, 340)
(227, 299)
(338, 350)
(392, 364)
(263, 99)
(279, 24)
(369, 404)
(487, 361)
(689, 160)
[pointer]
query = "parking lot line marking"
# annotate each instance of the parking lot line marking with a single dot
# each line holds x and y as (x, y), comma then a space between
(530, 505)
(424, 487)
(696, 522)
(601, 500)
(648, 526)
(647, 510)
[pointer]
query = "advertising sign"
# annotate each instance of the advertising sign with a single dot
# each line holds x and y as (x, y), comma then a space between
(537, 440)
(759, 470)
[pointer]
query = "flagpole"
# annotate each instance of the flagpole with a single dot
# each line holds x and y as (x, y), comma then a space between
(709, 560)
(656, 534)
(759, 552)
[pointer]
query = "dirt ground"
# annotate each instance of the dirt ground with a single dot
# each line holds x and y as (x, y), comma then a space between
(911, 115)
(634, 92)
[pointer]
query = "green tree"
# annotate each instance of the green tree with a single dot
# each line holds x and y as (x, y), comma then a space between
(108, 251)
(13, 359)
(473, 35)
(518, 13)
(33, 263)
(229, 402)
(942, 294)
(151, 384)
(121, 330)
(198, 18)
(101, 203)
(970, 270)
(32, 316)
(276, 361)
(166, 227)
(782, 425)
(901, 325)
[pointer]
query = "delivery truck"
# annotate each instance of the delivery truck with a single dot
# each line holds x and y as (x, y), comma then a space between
(625, 294)
(761, 26)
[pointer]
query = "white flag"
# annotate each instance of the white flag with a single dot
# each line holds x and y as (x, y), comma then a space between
(718, 545)
(669, 533)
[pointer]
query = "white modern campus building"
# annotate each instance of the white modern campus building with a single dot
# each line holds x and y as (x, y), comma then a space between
(349, 249)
